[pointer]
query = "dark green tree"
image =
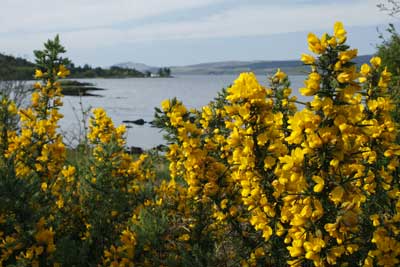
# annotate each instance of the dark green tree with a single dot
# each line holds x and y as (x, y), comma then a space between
(389, 51)
(392, 7)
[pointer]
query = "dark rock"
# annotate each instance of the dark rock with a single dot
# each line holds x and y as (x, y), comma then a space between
(135, 150)
(137, 122)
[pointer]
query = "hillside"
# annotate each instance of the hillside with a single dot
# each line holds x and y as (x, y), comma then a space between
(15, 68)
(260, 67)
(137, 66)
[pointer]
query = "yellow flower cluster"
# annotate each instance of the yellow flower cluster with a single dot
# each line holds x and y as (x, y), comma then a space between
(253, 126)
(102, 129)
(121, 256)
(47, 197)
(39, 133)
(306, 181)
(32, 158)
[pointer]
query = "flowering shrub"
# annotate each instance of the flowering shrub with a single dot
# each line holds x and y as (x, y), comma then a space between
(315, 187)
(252, 180)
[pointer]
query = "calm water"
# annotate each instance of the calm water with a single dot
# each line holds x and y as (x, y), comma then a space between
(135, 98)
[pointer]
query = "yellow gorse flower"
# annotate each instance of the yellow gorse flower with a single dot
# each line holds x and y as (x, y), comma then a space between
(314, 44)
(63, 72)
(339, 32)
(38, 74)
(376, 62)
(279, 75)
(307, 59)
(312, 84)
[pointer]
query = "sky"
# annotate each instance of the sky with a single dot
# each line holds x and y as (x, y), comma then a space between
(184, 32)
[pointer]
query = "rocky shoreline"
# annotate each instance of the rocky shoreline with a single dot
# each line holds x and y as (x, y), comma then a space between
(76, 88)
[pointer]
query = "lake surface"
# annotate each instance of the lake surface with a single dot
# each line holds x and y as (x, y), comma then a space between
(136, 98)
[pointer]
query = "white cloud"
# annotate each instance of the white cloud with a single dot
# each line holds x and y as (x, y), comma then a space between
(44, 15)
(264, 20)
(85, 24)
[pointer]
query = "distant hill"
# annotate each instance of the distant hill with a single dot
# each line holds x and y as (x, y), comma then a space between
(15, 68)
(260, 67)
(235, 67)
(137, 66)
(363, 59)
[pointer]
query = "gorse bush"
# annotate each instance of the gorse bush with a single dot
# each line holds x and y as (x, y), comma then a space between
(252, 180)
(389, 52)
